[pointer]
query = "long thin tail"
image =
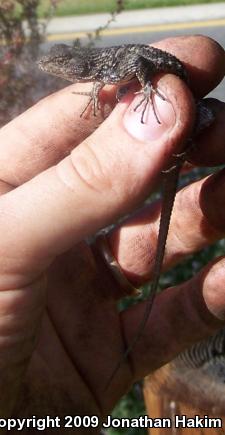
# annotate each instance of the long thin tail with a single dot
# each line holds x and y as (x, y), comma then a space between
(204, 118)
(170, 182)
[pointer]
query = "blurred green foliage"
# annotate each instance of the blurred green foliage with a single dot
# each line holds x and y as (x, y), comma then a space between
(75, 7)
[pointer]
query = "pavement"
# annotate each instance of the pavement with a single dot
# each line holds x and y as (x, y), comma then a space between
(177, 16)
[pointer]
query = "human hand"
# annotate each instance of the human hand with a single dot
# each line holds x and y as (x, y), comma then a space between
(61, 333)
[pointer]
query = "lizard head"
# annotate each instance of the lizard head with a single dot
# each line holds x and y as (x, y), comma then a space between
(64, 61)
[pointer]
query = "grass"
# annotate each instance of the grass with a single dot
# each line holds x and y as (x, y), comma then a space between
(77, 7)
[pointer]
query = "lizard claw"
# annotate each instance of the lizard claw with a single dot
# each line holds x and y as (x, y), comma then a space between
(147, 91)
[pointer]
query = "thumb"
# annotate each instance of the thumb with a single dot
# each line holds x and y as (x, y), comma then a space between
(105, 177)
(123, 159)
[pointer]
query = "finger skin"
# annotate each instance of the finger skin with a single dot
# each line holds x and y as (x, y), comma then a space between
(198, 220)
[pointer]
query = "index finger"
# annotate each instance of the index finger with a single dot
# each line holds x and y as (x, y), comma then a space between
(44, 134)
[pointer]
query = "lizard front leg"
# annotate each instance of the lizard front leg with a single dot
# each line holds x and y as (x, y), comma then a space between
(147, 90)
(93, 97)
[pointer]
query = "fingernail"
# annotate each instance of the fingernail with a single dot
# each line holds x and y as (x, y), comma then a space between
(150, 129)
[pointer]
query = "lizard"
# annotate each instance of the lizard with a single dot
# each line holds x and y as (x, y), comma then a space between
(112, 65)
(120, 65)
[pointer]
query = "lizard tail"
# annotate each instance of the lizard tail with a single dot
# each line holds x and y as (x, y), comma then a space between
(170, 183)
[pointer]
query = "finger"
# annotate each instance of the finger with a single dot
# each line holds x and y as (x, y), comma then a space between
(104, 178)
(198, 219)
(31, 149)
(198, 53)
(180, 317)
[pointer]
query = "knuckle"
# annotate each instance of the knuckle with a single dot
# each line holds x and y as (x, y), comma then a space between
(84, 164)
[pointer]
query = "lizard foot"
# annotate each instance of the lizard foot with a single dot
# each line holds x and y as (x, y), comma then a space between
(93, 98)
(147, 91)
